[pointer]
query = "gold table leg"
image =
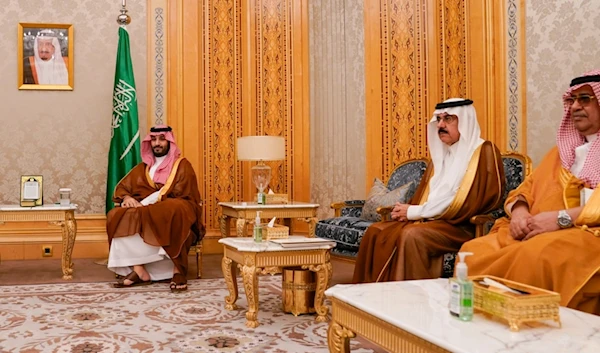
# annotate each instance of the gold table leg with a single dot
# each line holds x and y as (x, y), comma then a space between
(338, 338)
(250, 276)
(229, 274)
(241, 227)
(312, 224)
(69, 232)
(225, 226)
(323, 279)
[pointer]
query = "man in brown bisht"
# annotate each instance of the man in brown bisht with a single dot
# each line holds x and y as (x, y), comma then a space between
(551, 237)
(151, 233)
(465, 178)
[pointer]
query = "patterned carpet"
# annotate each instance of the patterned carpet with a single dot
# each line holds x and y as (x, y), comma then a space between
(96, 318)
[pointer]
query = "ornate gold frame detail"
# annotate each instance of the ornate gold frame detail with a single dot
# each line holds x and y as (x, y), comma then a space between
(348, 321)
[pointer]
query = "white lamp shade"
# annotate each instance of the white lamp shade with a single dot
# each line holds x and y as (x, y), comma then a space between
(260, 148)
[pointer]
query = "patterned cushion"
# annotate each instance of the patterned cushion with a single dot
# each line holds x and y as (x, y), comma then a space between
(406, 173)
(381, 196)
(347, 232)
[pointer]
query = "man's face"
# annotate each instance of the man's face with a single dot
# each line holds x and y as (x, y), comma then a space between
(45, 48)
(585, 111)
(160, 145)
(448, 128)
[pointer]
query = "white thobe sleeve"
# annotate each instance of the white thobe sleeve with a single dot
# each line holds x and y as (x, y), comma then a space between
(151, 199)
(431, 208)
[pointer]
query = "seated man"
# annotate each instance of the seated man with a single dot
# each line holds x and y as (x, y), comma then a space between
(466, 179)
(151, 233)
(551, 236)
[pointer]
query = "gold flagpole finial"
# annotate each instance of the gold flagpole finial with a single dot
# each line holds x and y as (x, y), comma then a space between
(124, 19)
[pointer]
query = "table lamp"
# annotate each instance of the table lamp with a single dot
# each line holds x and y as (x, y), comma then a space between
(260, 149)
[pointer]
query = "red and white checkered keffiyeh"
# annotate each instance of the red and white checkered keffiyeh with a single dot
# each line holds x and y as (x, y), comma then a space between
(568, 138)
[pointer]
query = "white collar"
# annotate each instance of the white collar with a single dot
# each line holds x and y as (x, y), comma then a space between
(592, 137)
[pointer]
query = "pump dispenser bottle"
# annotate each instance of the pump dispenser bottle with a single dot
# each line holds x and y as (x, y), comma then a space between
(461, 291)
(257, 232)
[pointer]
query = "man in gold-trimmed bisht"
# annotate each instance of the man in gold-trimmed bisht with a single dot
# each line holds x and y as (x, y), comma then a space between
(150, 235)
(551, 237)
(465, 178)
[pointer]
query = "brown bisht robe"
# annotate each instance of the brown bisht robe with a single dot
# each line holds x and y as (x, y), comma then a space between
(566, 261)
(172, 222)
(396, 251)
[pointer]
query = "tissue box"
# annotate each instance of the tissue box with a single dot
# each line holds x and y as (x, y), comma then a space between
(273, 199)
(276, 232)
(539, 304)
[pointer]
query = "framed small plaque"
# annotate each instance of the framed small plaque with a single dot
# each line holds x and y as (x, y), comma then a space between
(32, 187)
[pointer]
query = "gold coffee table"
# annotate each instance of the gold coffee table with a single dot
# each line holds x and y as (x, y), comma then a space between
(270, 258)
(245, 212)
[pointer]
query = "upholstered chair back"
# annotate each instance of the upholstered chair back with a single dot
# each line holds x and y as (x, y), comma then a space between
(410, 170)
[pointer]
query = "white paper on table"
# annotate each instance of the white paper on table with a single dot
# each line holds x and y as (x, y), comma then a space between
(271, 223)
(31, 190)
(270, 192)
(151, 199)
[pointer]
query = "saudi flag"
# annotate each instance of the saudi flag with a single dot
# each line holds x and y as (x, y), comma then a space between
(124, 152)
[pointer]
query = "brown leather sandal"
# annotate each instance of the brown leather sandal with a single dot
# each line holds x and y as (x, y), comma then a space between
(133, 277)
(178, 280)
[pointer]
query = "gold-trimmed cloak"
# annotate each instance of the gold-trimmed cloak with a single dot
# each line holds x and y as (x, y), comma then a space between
(395, 251)
(171, 222)
(566, 261)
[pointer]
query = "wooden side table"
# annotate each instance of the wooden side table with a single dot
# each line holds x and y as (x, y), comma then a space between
(245, 212)
(270, 258)
(62, 216)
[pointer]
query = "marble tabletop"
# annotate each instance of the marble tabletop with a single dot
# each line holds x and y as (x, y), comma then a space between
(421, 308)
(249, 245)
(254, 205)
(45, 207)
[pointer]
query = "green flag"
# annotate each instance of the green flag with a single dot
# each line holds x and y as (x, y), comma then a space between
(124, 152)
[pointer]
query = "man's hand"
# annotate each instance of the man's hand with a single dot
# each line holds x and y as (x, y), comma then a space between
(542, 223)
(519, 221)
(399, 212)
(129, 201)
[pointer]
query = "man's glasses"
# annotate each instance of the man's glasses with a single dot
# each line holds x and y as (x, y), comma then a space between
(448, 119)
(583, 99)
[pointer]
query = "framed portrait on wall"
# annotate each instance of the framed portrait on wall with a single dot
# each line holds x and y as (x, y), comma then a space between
(45, 56)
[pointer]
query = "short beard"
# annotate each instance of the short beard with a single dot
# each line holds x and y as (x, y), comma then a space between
(164, 152)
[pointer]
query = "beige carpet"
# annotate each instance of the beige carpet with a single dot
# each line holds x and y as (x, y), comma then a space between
(94, 317)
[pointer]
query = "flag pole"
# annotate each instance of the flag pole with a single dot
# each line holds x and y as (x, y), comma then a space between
(123, 20)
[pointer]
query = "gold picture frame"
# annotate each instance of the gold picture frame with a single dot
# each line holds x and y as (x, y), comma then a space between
(32, 190)
(40, 43)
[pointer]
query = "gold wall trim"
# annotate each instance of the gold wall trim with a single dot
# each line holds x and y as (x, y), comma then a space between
(157, 17)
(421, 52)
(242, 71)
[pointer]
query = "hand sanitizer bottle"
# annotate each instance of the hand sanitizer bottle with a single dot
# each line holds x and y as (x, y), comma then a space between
(257, 232)
(461, 291)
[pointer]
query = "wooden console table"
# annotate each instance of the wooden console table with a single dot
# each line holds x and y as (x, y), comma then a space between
(245, 212)
(62, 216)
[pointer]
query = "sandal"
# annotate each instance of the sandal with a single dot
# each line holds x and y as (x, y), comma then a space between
(134, 278)
(178, 280)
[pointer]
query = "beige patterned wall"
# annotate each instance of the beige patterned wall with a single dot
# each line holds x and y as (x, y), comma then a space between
(337, 102)
(64, 135)
(562, 43)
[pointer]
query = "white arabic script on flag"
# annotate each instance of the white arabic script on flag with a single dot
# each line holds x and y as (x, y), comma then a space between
(124, 94)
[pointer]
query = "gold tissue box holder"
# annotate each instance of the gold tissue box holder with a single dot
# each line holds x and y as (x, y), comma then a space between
(274, 199)
(538, 305)
(276, 232)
